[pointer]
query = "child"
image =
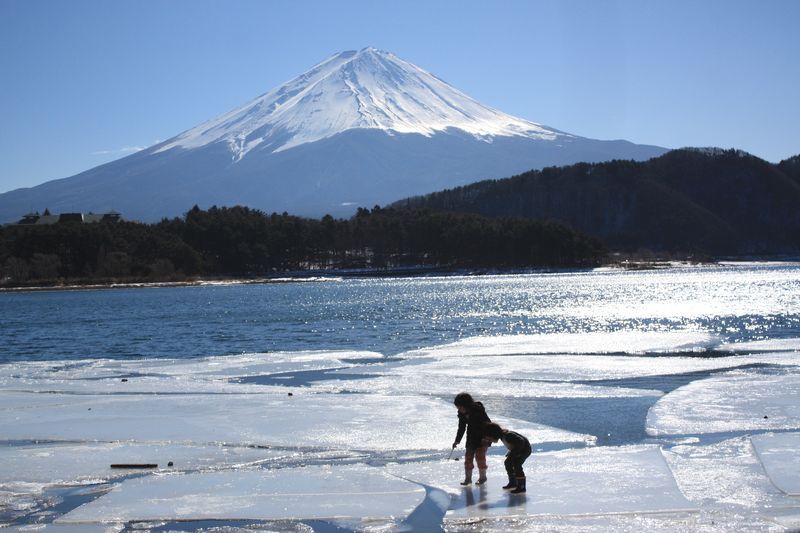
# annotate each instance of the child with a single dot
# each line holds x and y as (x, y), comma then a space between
(472, 418)
(519, 448)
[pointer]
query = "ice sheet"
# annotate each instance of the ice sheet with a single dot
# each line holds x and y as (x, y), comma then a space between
(633, 479)
(437, 384)
(787, 518)
(69, 528)
(90, 462)
(311, 492)
(779, 455)
(341, 421)
(734, 402)
(210, 374)
(600, 342)
(183, 405)
(515, 376)
(579, 367)
(771, 345)
(244, 364)
(729, 482)
(706, 521)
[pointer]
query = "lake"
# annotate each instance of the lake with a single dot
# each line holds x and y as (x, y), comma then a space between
(734, 303)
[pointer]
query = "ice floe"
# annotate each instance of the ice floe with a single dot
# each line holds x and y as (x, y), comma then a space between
(733, 402)
(354, 421)
(438, 384)
(778, 453)
(598, 342)
(322, 492)
(584, 368)
(203, 375)
(729, 482)
(596, 481)
(77, 463)
(770, 345)
(256, 436)
(69, 528)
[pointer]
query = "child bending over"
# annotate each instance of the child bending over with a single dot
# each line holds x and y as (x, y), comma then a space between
(519, 449)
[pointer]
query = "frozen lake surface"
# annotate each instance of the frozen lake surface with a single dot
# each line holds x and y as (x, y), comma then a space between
(659, 400)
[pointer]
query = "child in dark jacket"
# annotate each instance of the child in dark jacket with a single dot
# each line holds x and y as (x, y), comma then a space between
(472, 418)
(519, 449)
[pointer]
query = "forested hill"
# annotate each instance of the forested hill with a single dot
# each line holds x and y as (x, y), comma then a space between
(690, 200)
(238, 241)
(791, 167)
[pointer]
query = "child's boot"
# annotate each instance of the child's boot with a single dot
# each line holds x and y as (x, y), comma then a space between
(481, 476)
(512, 483)
(467, 477)
(520, 486)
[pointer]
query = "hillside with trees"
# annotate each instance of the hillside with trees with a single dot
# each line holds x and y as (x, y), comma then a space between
(694, 201)
(242, 242)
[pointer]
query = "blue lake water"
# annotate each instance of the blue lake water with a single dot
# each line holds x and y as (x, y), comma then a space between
(728, 304)
(390, 316)
(732, 303)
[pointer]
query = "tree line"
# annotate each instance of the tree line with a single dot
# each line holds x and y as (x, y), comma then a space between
(239, 241)
(699, 202)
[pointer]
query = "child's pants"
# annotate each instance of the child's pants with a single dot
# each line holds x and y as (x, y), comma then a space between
(514, 462)
(479, 454)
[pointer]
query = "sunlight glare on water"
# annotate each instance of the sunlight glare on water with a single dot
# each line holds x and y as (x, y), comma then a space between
(394, 315)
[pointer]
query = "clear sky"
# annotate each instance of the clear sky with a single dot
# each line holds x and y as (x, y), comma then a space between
(85, 82)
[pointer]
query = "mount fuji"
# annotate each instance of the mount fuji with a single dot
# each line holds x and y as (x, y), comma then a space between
(358, 129)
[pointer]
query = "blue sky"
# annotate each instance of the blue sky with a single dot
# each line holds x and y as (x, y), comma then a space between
(85, 82)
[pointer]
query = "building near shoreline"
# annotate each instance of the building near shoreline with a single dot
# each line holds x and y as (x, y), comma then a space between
(81, 218)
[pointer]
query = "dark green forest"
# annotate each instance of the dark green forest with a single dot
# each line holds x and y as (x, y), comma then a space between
(241, 242)
(701, 202)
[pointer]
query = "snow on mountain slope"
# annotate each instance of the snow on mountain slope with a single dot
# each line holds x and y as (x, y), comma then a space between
(368, 89)
(358, 129)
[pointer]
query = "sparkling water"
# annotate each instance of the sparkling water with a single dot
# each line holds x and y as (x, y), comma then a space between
(733, 303)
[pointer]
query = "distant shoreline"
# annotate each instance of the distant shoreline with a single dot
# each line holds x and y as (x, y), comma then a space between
(338, 275)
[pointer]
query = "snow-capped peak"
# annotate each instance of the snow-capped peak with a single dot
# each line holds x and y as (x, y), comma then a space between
(370, 89)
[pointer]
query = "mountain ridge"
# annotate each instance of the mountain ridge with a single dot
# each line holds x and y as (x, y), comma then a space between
(687, 200)
(304, 148)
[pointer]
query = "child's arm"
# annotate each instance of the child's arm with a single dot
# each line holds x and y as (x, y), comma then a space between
(462, 427)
